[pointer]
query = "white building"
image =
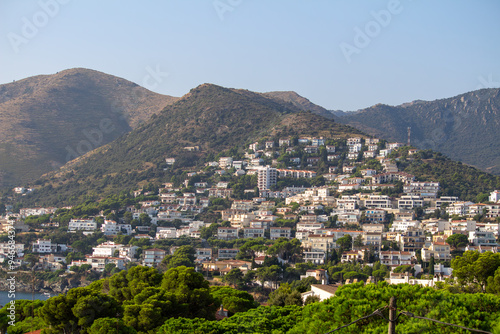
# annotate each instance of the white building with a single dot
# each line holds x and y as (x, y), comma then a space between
(458, 208)
(422, 189)
(378, 202)
(479, 238)
(46, 246)
(88, 226)
(494, 196)
(7, 250)
(106, 249)
(409, 202)
(225, 162)
(403, 225)
(395, 258)
(111, 227)
(322, 291)
(266, 177)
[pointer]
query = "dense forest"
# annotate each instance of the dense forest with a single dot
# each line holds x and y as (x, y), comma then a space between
(142, 300)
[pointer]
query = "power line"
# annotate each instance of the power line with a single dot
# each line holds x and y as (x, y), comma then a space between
(409, 314)
(376, 312)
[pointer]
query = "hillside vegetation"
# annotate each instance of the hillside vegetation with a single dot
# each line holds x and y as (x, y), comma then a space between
(48, 120)
(464, 127)
(214, 118)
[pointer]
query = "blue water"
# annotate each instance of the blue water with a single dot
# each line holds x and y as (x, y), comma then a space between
(4, 296)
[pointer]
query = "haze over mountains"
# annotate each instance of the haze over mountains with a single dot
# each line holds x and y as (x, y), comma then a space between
(48, 120)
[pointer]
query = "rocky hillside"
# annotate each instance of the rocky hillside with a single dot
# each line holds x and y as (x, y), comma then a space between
(464, 127)
(212, 118)
(47, 120)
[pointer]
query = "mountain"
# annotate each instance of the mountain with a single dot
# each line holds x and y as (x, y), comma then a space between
(47, 120)
(299, 102)
(464, 127)
(214, 118)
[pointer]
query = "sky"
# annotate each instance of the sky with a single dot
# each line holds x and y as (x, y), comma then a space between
(342, 55)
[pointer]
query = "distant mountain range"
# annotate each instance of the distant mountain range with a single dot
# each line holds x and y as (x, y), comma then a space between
(47, 120)
(464, 127)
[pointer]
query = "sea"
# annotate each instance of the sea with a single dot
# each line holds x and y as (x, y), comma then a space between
(4, 297)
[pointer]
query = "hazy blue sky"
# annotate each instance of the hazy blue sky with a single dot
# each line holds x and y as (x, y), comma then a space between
(339, 54)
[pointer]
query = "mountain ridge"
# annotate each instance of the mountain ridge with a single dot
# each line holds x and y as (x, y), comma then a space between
(463, 127)
(206, 122)
(47, 120)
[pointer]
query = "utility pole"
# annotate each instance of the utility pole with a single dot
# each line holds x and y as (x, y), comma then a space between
(392, 316)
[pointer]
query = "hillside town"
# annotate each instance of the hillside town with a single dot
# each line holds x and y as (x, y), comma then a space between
(342, 200)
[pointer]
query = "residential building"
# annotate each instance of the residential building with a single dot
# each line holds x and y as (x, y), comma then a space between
(166, 233)
(411, 240)
(321, 275)
(106, 249)
(253, 232)
(375, 216)
(395, 258)
(494, 196)
(352, 256)
(438, 250)
(458, 208)
(88, 226)
(111, 227)
(322, 291)
(409, 202)
(227, 233)
(280, 232)
(227, 253)
(225, 162)
(153, 257)
(423, 189)
(378, 202)
(373, 239)
(203, 254)
(479, 238)
(46, 246)
(266, 177)
(7, 250)
(99, 263)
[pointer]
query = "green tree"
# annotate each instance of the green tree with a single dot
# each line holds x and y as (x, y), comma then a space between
(183, 256)
(78, 309)
(233, 300)
(110, 325)
(192, 292)
(457, 240)
(358, 241)
(474, 269)
(233, 277)
(269, 274)
(284, 296)
(286, 249)
(345, 243)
